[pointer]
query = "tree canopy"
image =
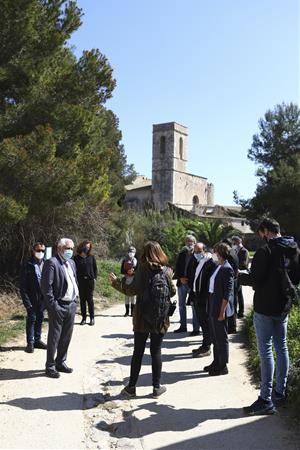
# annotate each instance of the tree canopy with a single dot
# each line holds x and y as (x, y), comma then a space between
(60, 147)
(276, 149)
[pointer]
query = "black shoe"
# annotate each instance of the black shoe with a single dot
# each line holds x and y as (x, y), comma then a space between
(240, 315)
(260, 407)
(129, 391)
(180, 330)
(157, 391)
(29, 348)
(215, 372)
(195, 333)
(279, 399)
(83, 322)
(64, 368)
(40, 344)
(52, 373)
(92, 322)
(209, 368)
(201, 351)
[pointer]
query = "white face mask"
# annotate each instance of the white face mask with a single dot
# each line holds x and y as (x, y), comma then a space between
(235, 247)
(131, 254)
(39, 255)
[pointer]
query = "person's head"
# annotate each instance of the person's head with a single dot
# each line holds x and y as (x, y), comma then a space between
(268, 228)
(190, 242)
(199, 251)
(65, 248)
(85, 247)
(131, 251)
(227, 241)
(38, 250)
(222, 250)
(236, 241)
(154, 253)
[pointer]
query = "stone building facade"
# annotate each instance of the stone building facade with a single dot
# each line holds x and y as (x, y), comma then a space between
(170, 183)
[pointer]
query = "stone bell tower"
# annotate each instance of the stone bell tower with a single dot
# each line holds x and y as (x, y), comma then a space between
(169, 155)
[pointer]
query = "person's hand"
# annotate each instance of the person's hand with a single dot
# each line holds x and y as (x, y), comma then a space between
(184, 280)
(221, 316)
(112, 277)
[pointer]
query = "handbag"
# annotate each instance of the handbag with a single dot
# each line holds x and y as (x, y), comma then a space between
(172, 308)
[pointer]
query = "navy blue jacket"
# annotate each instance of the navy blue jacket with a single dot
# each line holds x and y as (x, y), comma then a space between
(54, 284)
(223, 289)
(30, 290)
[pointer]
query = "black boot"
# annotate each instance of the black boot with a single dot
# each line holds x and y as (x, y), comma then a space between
(126, 311)
(131, 309)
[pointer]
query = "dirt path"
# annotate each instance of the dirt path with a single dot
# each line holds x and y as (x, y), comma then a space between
(84, 409)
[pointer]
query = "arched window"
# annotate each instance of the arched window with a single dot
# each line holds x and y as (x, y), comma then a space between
(195, 200)
(181, 148)
(162, 146)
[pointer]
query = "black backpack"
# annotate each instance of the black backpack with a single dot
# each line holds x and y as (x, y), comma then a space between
(156, 299)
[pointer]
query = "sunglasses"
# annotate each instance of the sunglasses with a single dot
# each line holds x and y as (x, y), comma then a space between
(39, 250)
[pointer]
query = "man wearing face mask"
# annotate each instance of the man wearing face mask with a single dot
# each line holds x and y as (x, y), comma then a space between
(243, 257)
(200, 270)
(31, 294)
(60, 291)
(271, 305)
(181, 270)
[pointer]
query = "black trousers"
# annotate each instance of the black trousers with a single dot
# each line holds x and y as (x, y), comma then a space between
(61, 323)
(220, 341)
(240, 298)
(203, 319)
(138, 353)
(86, 289)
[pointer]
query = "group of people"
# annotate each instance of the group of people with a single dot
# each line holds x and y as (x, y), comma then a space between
(55, 285)
(212, 283)
(210, 280)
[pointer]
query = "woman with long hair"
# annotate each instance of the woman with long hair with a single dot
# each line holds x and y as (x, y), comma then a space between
(153, 261)
(86, 267)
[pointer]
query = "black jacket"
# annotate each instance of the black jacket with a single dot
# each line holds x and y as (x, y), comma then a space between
(180, 266)
(201, 294)
(86, 267)
(30, 289)
(265, 274)
(243, 256)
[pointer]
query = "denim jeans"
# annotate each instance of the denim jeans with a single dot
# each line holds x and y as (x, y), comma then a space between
(34, 321)
(183, 291)
(272, 330)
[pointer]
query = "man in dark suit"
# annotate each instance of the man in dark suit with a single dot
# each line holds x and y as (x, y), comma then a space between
(31, 294)
(60, 290)
(243, 256)
(180, 275)
(200, 270)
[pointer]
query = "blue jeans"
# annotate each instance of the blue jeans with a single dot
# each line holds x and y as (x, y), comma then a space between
(183, 291)
(34, 321)
(269, 330)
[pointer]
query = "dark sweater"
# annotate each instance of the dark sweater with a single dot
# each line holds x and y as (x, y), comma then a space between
(86, 267)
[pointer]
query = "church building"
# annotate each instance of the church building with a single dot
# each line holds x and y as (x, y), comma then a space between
(170, 183)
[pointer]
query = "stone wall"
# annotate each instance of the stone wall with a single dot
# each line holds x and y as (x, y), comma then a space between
(189, 189)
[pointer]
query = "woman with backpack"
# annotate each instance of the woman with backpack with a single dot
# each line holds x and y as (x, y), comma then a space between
(153, 286)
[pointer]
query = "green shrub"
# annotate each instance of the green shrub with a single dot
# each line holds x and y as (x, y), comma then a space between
(103, 287)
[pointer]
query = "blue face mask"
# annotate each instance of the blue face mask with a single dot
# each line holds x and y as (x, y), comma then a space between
(199, 256)
(68, 254)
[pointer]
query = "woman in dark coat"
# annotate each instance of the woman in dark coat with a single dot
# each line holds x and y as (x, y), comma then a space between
(153, 261)
(221, 307)
(86, 267)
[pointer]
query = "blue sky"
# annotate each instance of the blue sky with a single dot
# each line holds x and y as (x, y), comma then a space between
(214, 66)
